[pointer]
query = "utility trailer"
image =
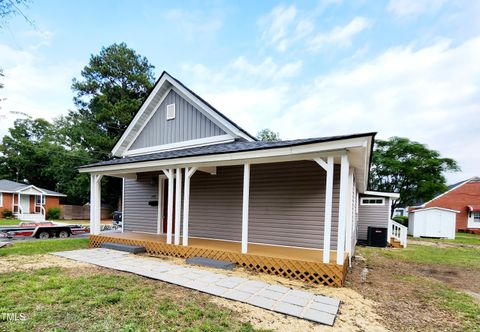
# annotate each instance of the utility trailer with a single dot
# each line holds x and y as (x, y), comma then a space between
(42, 230)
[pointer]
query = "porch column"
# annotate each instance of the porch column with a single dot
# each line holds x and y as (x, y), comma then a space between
(178, 204)
(246, 196)
(169, 174)
(342, 209)
(95, 203)
(327, 228)
(349, 223)
(189, 171)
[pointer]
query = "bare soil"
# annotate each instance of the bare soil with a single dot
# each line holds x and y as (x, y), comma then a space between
(401, 300)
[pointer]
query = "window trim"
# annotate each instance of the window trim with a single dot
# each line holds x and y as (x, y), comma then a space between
(43, 200)
(477, 218)
(1, 199)
(372, 204)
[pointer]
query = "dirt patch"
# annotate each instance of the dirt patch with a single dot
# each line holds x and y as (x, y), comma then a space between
(402, 300)
(16, 263)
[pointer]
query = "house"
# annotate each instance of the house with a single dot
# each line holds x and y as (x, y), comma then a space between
(196, 184)
(464, 197)
(26, 201)
(374, 210)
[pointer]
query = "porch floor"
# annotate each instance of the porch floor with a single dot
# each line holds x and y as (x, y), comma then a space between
(296, 263)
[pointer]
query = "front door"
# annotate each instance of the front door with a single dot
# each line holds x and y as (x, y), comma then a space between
(25, 203)
(165, 208)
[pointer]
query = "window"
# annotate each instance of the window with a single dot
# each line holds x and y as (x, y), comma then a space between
(170, 111)
(1, 199)
(372, 201)
(40, 200)
(476, 217)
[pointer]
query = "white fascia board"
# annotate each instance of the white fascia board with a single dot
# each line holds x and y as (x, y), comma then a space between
(137, 116)
(435, 208)
(312, 150)
(381, 193)
(180, 145)
(33, 188)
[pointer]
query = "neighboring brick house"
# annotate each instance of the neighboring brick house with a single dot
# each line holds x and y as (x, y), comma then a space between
(27, 202)
(464, 197)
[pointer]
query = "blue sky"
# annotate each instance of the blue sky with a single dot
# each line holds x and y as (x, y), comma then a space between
(304, 69)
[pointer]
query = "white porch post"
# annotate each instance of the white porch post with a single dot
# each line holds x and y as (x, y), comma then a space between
(178, 204)
(169, 174)
(246, 196)
(160, 204)
(327, 228)
(95, 203)
(342, 209)
(349, 223)
(189, 171)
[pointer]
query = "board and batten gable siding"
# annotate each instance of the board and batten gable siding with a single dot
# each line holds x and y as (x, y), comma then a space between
(189, 124)
(139, 216)
(287, 203)
(372, 215)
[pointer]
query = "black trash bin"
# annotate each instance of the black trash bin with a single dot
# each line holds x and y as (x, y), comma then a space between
(377, 236)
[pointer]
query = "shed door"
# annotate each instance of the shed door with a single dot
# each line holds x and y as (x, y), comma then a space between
(434, 224)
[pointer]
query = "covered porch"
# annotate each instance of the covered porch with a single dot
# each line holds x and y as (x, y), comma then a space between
(294, 263)
(290, 211)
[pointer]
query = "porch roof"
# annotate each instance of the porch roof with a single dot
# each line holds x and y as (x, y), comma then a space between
(218, 149)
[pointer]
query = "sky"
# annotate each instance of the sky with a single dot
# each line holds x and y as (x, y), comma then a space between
(304, 69)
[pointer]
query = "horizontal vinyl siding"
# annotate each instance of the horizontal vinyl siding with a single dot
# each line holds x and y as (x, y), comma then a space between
(216, 204)
(139, 216)
(287, 204)
(188, 124)
(371, 215)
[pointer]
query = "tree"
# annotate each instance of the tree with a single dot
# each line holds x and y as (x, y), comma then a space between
(9, 8)
(409, 168)
(107, 96)
(32, 153)
(268, 135)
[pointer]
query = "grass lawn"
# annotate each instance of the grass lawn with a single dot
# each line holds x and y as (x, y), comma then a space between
(422, 287)
(61, 300)
(454, 256)
(460, 238)
(43, 246)
(8, 222)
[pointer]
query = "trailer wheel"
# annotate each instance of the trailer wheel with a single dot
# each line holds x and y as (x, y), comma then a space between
(63, 234)
(44, 235)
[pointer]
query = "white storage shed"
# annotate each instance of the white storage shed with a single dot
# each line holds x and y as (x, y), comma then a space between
(432, 222)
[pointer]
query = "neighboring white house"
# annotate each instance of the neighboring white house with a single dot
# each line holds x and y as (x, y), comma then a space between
(432, 222)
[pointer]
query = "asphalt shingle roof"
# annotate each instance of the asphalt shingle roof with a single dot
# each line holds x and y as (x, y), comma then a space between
(9, 186)
(237, 146)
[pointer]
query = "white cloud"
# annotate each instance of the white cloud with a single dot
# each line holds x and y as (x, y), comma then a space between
(340, 36)
(431, 95)
(34, 85)
(277, 24)
(284, 26)
(412, 8)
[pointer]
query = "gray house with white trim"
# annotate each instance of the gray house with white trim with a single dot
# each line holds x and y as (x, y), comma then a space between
(194, 178)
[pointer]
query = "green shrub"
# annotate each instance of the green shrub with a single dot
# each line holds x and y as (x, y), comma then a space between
(401, 220)
(53, 213)
(7, 214)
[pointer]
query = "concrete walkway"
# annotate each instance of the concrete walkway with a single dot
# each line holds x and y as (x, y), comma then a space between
(277, 298)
